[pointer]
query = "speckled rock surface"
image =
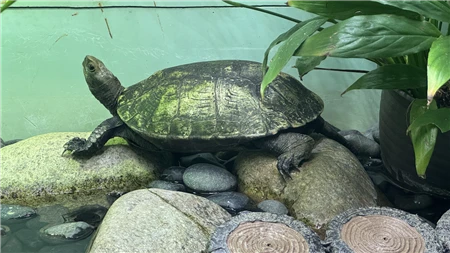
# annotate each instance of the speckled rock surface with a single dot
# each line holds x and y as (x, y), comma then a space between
(330, 182)
(155, 220)
(34, 172)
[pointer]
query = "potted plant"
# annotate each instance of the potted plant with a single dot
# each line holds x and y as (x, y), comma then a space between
(410, 43)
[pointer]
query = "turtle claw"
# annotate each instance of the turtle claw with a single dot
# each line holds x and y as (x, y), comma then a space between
(286, 163)
(75, 145)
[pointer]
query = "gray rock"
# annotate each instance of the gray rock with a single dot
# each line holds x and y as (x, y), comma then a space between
(16, 213)
(173, 174)
(443, 230)
(165, 185)
(155, 220)
(363, 145)
(35, 173)
(12, 245)
(273, 206)
(74, 247)
(65, 232)
(233, 202)
(205, 177)
(328, 183)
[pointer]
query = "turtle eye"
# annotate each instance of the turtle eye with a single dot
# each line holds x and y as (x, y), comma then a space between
(91, 67)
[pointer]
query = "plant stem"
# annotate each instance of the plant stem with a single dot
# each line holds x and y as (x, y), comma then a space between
(7, 4)
(344, 70)
(261, 10)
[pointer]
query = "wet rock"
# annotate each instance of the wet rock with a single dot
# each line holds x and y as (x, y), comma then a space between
(65, 232)
(6, 234)
(233, 202)
(16, 213)
(328, 183)
(34, 171)
(189, 160)
(273, 206)
(12, 245)
(74, 247)
(29, 238)
(173, 174)
(165, 185)
(92, 214)
(363, 145)
(155, 220)
(203, 177)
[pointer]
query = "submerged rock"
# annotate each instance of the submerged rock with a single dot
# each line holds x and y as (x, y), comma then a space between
(233, 202)
(155, 220)
(16, 213)
(92, 214)
(35, 172)
(66, 232)
(328, 183)
(165, 185)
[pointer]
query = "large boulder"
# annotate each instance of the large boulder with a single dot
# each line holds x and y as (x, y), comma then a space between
(34, 171)
(156, 220)
(330, 182)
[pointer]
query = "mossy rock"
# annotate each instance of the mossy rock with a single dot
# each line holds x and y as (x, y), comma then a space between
(35, 173)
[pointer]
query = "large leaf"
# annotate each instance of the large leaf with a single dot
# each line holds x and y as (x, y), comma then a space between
(438, 65)
(304, 64)
(395, 76)
(423, 138)
(439, 117)
(376, 36)
(439, 10)
(343, 10)
(287, 49)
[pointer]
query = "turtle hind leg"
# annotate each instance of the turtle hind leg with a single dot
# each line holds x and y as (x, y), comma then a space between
(291, 148)
(101, 134)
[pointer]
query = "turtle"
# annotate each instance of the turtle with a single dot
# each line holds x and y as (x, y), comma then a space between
(207, 106)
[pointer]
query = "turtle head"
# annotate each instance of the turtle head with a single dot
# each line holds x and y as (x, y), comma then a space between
(102, 83)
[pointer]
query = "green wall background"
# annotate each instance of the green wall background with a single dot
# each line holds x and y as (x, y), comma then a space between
(43, 44)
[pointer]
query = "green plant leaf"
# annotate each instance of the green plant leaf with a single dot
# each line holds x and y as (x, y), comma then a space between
(439, 118)
(304, 64)
(438, 65)
(376, 36)
(343, 10)
(287, 49)
(439, 10)
(394, 76)
(6, 4)
(423, 138)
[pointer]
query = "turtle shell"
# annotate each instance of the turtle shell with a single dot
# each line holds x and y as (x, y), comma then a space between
(203, 105)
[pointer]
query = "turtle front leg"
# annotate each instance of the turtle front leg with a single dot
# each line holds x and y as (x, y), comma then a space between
(291, 148)
(101, 134)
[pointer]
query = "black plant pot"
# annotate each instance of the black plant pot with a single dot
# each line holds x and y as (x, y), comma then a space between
(397, 150)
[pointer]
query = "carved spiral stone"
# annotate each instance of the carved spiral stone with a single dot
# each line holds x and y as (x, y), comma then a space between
(377, 233)
(266, 237)
(380, 229)
(264, 233)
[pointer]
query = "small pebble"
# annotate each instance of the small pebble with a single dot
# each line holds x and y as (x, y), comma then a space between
(15, 213)
(165, 185)
(173, 174)
(233, 202)
(205, 177)
(65, 232)
(273, 206)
